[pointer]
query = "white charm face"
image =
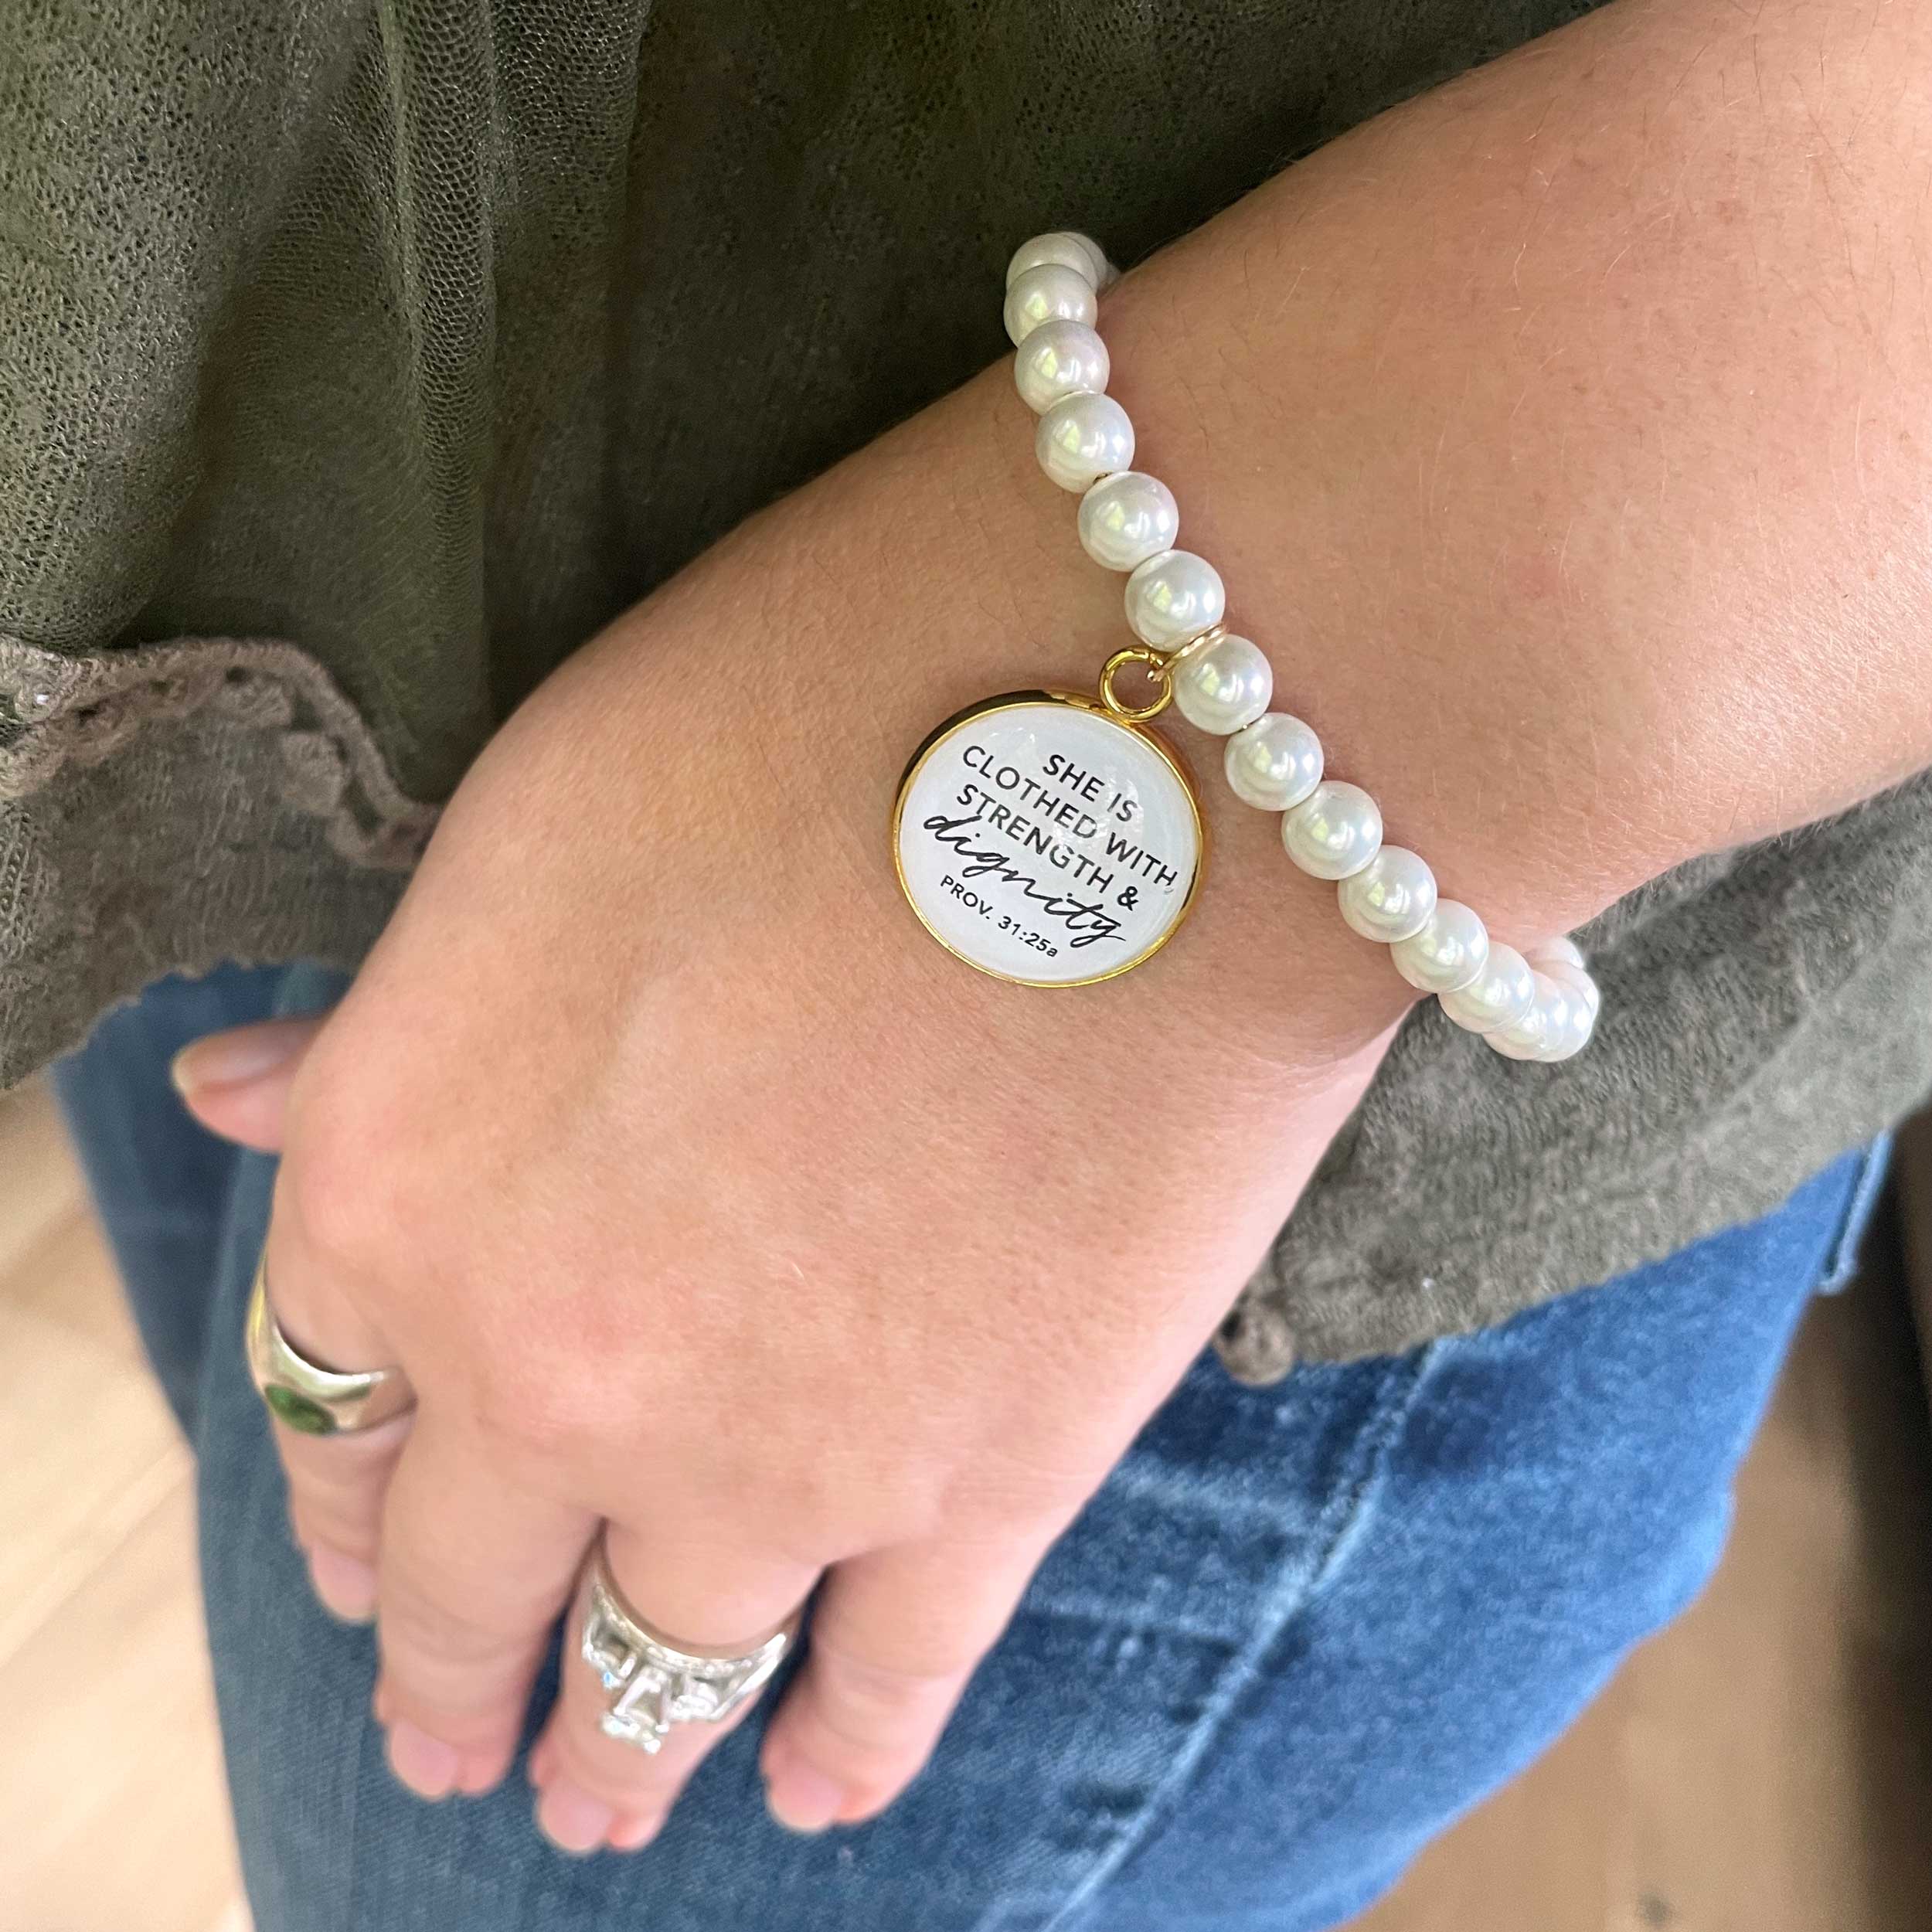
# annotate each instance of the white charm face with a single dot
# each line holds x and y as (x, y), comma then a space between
(1044, 841)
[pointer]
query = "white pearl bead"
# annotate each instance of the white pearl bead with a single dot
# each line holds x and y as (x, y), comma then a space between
(1127, 518)
(1563, 960)
(1568, 1032)
(1392, 896)
(1449, 951)
(1059, 358)
(1546, 1032)
(1335, 831)
(1083, 437)
(1524, 1041)
(1575, 978)
(1223, 685)
(1048, 294)
(1174, 595)
(1066, 248)
(1498, 996)
(1273, 764)
(1586, 990)
(1560, 951)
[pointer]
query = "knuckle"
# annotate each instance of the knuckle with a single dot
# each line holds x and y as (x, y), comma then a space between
(463, 1675)
(539, 1414)
(352, 1532)
(331, 1187)
(336, 1488)
(644, 1785)
(426, 1624)
(863, 1764)
(825, 1504)
(346, 1180)
(878, 1711)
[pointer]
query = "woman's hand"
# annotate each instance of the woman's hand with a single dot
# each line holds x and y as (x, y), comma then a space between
(1563, 437)
(701, 1194)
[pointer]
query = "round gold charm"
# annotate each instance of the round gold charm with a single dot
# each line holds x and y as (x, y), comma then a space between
(1045, 840)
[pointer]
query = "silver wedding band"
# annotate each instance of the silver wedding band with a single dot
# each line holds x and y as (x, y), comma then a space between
(653, 1684)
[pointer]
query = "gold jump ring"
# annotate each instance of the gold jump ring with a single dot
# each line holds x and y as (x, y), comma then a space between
(1156, 662)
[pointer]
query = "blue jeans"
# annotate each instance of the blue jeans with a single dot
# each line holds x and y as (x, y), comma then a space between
(1300, 1630)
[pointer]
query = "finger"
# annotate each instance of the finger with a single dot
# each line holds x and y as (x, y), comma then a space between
(595, 1790)
(476, 1564)
(896, 1635)
(237, 1083)
(336, 1488)
(337, 1483)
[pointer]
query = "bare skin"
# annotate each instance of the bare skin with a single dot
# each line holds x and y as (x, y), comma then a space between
(1564, 437)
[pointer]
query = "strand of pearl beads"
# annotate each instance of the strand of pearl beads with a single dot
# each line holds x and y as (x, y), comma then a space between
(1538, 1006)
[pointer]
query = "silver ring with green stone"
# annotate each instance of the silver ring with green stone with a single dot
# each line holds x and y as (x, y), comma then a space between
(308, 1398)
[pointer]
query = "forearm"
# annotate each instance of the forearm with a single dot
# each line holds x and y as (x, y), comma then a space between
(1594, 394)
(1561, 436)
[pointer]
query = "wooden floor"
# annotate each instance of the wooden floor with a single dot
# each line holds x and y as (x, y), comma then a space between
(1765, 1767)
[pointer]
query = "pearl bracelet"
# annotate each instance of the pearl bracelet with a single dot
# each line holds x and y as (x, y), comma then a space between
(1050, 838)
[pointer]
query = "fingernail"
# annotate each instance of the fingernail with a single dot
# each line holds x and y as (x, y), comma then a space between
(230, 1059)
(573, 1820)
(426, 1765)
(802, 1799)
(346, 1586)
(634, 1834)
(483, 1772)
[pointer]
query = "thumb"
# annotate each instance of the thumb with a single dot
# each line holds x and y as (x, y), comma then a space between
(236, 1083)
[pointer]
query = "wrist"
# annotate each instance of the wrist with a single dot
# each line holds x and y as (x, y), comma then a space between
(935, 534)
(937, 568)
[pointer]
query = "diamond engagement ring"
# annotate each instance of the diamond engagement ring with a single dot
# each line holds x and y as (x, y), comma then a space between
(310, 1399)
(658, 1684)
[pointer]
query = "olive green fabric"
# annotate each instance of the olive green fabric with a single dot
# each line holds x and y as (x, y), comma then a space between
(357, 361)
(427, 334)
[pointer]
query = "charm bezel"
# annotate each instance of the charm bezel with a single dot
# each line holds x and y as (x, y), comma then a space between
(1120, 720)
